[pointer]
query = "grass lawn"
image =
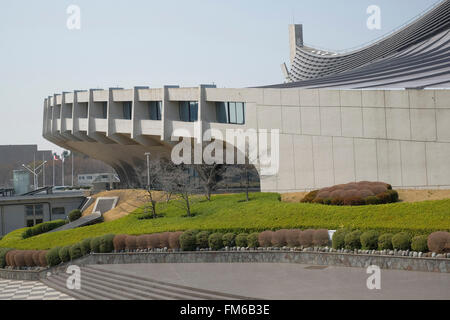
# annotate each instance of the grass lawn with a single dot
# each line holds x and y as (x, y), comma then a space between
(264, 211)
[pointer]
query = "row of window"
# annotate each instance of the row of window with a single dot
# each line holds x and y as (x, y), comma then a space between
(35, 214)
(226, 112)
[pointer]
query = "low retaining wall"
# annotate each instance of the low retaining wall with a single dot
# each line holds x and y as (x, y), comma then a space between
(309, 258)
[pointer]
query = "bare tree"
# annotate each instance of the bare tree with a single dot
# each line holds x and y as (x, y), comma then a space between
(210, 176)
(242, 171)
(156, 173)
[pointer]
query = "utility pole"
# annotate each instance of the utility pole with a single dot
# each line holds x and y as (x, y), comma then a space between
(147, 154)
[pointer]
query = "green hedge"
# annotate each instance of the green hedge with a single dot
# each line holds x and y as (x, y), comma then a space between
(42, 228)
(216, 241)
(74, 215)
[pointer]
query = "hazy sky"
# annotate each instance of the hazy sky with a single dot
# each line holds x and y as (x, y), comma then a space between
(233, 43)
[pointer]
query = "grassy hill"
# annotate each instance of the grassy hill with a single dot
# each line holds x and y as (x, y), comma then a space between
(264, 211)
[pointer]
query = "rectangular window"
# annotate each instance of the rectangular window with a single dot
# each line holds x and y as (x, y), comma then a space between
(34, 214)
(58, 211)
(105, 110)
(188, 111)
(127, 110)
(230, 112)
(221, 112)
(155, 110)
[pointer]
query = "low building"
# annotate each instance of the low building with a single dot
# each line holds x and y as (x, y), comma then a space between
(26, 211)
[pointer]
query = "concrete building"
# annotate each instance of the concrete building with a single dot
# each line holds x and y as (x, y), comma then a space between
(384, 119)
(18, 212)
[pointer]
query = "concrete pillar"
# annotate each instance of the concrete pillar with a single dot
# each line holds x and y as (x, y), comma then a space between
(295, 39)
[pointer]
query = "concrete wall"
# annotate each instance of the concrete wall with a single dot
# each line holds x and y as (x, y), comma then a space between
(327, 137)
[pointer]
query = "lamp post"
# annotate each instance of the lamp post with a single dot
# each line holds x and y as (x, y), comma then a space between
(34, 171)
(147, 154)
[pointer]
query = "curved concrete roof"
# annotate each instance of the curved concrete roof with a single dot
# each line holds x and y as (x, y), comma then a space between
(416, 56)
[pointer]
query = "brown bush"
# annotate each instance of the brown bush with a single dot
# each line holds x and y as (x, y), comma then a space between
(36, 257)
(265, 238)
(10, 258)
(28, 258)
(119, 242)
(321, 238)
(19, 259)
(174, 240)
(164, 240)
(154, 241)
(293, 237)
(131, 242)
(354, 201)
(141, 242)
(43, 259)
(306, 238)
(279, 238)
(439, 242)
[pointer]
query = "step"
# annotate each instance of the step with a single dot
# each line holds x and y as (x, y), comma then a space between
(217, 295)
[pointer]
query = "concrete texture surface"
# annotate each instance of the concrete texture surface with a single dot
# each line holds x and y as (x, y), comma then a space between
(293, 281)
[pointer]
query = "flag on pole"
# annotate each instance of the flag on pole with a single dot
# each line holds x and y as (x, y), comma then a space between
(55, 156)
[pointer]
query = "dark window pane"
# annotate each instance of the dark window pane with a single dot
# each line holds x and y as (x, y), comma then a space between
(221, 112)
(232, 112)
(29, 211)
(58, 211)
(30, 223)
(39, 210)
(155, 110)
(184, 111)
(127, 107)
(240, 113)
(39, 221)
(193, 111)
(105, 110)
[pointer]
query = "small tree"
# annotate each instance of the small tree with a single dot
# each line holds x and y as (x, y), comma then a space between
(243, 172)
(210, 176)
(155, 177)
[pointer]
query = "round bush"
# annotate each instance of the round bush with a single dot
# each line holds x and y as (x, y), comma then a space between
(188, 241)
(369, 240)
(401, 241)
(95, 245)
(229, 240)
(306, 238)
(141, 242)
(52, 257)
(106, 243)
(439, 242)
(74, 215)
(293, 237)
(174, 240)
(265, 238)
(321, 238)
(394, 195)
(252, 240)
(28, 257)
(64, 254)
(43, 259)
(338, 240)
(85, 246)
(241, 240)
(352, 240)
(216, 241)
(279, 238)
(19, 259)
(202, 240)
(119, 242)
(75, 251)
(154, 241)
(35, 256)
(164, 240)
(419, 244)
(9, 257)
(131, 243)
(372, 200)
(385, 241)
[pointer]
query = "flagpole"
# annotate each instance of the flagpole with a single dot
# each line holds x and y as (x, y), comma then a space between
(72, 167)
(62, 170)
(54, 155)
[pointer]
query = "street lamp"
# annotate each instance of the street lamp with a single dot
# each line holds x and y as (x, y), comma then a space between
(147, 154)
(34, 172)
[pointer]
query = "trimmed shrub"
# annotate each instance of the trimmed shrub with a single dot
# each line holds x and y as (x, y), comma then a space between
(306, 238)
(43, 258)
(19, 259)
(293, 237)
(188, 241)
(241, 240)
(338, 240)
(119, 242)
(142, 242)
(35, 257)
(202, 239)
(310, 196)
(74, 215)
(154, 241)
(164, 240)
(354, 201)
(85, 245)
(42, 228)
(385, 241)
(419, 244)
(131, 243)
(321, 238)
(229, 240)
(253, 240)
(401, 241)
(216, 241)
(28, 257)
(393, 194)
(106, 243)
(174, 240)
(95, 245)
(352, 240)
(9, 257)
(64, 254)
(279, 238)
(439, 242)
(369, 240)
(3, 255)
(384, 198)
(52, 257)
(265, 238)
(372, 200)
(75, 251)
